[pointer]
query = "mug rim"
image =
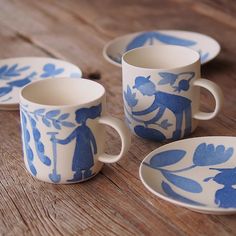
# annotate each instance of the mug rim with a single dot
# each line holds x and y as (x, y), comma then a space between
(29, 101)
(155, 47)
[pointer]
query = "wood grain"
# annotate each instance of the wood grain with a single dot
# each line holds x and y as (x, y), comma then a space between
(114, 202)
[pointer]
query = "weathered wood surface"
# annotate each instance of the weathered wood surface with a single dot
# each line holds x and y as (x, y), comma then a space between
(115, 202)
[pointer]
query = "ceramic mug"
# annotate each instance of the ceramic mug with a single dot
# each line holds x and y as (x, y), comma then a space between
(63, 132)
(161, 91)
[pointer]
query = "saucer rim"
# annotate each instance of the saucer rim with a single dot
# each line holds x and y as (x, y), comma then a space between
(199, 209)
(113, 41)
(15, 105)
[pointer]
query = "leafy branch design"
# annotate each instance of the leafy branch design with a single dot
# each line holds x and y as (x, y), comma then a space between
(149, 37)
(52, 118)
(27, 148)
(204, 155)
(50, 70)
(7, 72)
(16, 83)
(170, 78)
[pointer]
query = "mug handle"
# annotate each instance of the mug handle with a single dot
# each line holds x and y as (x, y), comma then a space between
(216, 91)
(125, 136)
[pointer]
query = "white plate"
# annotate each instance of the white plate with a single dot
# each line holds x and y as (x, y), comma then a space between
(197, 173)
(205, 45)
(17, 72)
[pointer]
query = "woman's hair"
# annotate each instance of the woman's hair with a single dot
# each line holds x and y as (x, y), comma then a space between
(88, 113)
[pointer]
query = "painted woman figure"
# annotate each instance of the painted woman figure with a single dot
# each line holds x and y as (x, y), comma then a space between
(85, 147)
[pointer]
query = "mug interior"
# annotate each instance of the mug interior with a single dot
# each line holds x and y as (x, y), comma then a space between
(161, 57)
(62, 91)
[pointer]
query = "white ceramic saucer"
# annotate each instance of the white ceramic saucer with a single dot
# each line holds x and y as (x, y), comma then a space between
(15, 73)
(205, 45)
(197, 173)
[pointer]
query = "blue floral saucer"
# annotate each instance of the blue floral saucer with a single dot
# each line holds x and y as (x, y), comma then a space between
(207, 47)
(15, 73)
(197, 173)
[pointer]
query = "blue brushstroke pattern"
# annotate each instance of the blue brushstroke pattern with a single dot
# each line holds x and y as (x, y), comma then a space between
(130, 97)
(206, 155)
(166, 158)
(172, 194)
(184, 183)
(50, 70)
(149, 133)
(9, 71)
(146, 37)
(27, 148)
(39, 146)
(167, 39)
(140, 40)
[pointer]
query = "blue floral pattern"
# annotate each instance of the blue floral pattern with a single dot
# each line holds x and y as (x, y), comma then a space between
(9, 71)
(205, 155)
(150, 37)
(15, 75)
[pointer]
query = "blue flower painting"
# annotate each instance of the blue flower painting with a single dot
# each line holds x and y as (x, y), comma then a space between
(205, 155)
(149, 37)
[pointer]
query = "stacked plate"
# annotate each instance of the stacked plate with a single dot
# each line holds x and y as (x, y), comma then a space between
(207, 47)
(15, 73)
(197, 173)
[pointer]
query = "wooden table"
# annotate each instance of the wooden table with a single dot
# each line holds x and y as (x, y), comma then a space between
(115, 202)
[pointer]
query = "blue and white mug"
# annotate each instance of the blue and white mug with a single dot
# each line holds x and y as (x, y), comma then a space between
(63, 132)
(161, 92)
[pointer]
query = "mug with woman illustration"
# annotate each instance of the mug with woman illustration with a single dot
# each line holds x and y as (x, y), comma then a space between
(63, 129)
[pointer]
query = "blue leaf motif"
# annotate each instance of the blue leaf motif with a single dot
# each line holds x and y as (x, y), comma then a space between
(39, 111)
(19, 83)
(11, 71)
(67, 124)
(64, 116)
(26, 147)
(206, 155)
(166, 158)
(184, 183)
(52, 113)
(46, 122)
(5, 90)
(130, 97)
(140, 40)
(50, 70)
(3, 69)
(165, 124)
(32, 169)
(168, 78)
(167, 39)
(49, 67)
(39, 147)
(23, 68)
(29, 154)
(170, 192)
(56, 125)
(149, 133)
